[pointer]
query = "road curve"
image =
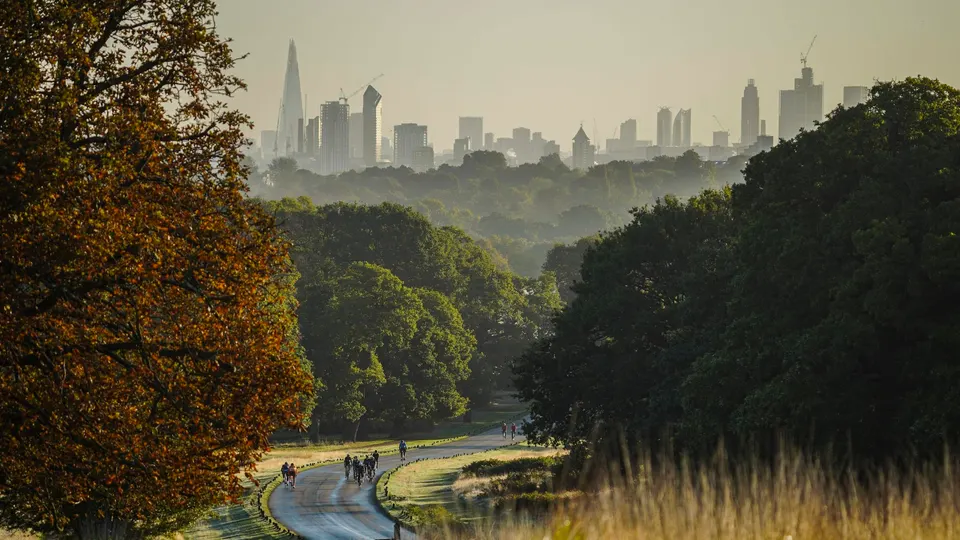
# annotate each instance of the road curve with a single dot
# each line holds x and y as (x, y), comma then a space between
(327, 506)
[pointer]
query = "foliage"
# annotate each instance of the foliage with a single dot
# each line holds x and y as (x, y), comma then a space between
(817, 299)
(496, 467)
(564, 261)
(147, 334)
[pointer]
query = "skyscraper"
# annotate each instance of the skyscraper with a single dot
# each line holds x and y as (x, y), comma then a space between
(681, 128)
(406, 139)
(461, 147)
(855, 95)
(472, 127)
(356, 135)
(488, 141)
(521, 144)
(334, 137)
(628, 135)
(802, 106)
(291, 110)
(372, 126)
(749, 114)
(664, 118)
(582, 151)
(312, 136)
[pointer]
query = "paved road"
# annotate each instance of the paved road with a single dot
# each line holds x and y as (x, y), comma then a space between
(327, 506)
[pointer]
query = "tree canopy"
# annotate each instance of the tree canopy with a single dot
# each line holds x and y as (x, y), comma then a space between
(817, 299)
(148, 342)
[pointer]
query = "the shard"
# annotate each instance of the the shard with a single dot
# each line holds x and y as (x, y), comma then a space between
(291, 110)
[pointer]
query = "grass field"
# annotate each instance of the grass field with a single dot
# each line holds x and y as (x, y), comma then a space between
(437, 481)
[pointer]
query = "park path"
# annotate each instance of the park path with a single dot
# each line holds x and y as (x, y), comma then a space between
(327, 506)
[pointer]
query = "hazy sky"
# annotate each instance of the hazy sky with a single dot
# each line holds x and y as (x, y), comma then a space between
(549, 64)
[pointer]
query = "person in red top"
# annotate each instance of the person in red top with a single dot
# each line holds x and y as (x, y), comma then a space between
(292, 475)
(513, 431)
(503, 429)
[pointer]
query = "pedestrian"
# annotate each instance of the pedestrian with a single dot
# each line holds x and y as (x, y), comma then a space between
(513, 431)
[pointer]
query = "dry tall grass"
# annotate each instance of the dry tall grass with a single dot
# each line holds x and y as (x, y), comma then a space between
(795, 498)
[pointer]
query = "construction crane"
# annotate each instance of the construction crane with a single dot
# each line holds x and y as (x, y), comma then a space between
(803, 57)
(344, 98)
(276, 137)
(720, 124)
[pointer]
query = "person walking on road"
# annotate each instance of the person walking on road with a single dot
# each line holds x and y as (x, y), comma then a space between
(513, 431)
(503, 428)
(284, 471)
(403, 450)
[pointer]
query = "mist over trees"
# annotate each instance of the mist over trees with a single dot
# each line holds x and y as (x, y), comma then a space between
(522, 211)
(818, 300)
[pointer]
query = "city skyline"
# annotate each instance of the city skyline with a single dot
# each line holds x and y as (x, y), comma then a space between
(860, 41)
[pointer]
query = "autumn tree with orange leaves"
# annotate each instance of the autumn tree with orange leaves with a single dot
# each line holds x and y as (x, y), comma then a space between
(148, 340)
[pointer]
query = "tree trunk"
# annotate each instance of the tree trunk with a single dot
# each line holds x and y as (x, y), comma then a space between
(315, 427)
(92, 527)
(356, 429)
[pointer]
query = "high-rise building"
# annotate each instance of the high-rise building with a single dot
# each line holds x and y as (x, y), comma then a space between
(471, 127)
(536, 146)
(372, 127)
(583, 151)
(356, 135)
(550, 148)
(721, 138)
(291, 109)
(423, 159)
(386, 149)
(406, 139)
(521, 144)
(628, 135)
(681, 128)
(334, 137)
(461, 147)
(312, 136)
(664, 119)
(749, 114)
(855, 95)
(488, 141)
(802, 106)
(268, 144)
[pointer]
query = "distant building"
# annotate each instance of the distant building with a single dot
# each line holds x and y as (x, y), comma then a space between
(356, 135)
(312, 137)
(628, 135)
(386, 149)
(422, 159)
(536, 147)
(550, 148)
(681, 129)
(583, 151)
(406, 139)
(749, 114)
(721, 138)
(334, 137)
(664, 119)
(763, 127)
(291, 111)
(521, 144)
(373, 138)
(762, 144)
(488, 141)
(503, 145)
(801, 107)
(461, 147)
(268, 144)
(471, 127)
(855, 95)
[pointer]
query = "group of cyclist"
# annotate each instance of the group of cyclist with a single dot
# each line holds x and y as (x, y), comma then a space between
(361, 469)
(289, 473)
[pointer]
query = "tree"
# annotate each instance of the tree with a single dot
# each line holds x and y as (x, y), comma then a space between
(564, 262)
(147, 329)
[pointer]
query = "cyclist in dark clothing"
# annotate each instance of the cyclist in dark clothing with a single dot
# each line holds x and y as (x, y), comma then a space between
(347, 463)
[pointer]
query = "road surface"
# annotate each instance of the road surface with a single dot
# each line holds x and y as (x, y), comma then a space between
(327, 506)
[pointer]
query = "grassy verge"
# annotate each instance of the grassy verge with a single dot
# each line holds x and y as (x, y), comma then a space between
(434, 486)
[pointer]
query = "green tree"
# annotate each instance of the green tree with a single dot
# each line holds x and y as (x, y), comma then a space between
(564, 262)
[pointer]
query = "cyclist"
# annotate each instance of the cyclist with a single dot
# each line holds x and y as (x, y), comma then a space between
(513, 431)
(347, 463)
(403, 450)
(376, 460)
(284, 470)
(292, 473)
(357, 469)
(503, 429)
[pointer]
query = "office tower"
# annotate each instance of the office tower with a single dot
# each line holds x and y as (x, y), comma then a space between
(521, 144)
(664, 119)
(536, 147)
(471, 127)
(356, 135)
(855, 95)
(386, 148)
(802, 106)
(551, 148)
(300, 129)
(291, 109)
(582, 151)
(372, 127)
(422, 159)
(406, 139)
(268, 143)
(488, 141)
(721, 138)
(628, 135)
(749, 114)
(681, 128)
(312, 136)
(334, 137)
(461, 147)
